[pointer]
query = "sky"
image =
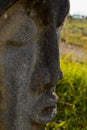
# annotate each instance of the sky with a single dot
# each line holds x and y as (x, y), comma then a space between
(78, 7)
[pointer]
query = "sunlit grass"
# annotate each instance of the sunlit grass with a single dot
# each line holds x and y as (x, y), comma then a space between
(72, 92)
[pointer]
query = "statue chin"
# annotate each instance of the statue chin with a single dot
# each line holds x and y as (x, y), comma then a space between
(46, 110)
(46, 115)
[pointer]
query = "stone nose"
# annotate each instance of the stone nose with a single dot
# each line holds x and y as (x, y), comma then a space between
(49, 49)
(40, 78)
(47, 69)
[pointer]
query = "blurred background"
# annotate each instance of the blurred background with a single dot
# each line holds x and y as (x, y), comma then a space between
(74, 33)
(72, 89)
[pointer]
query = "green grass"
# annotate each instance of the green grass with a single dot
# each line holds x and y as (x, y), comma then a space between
(72, 92)
(75, 32)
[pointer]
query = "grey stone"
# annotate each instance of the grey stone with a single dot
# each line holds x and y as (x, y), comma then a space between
(29, 62)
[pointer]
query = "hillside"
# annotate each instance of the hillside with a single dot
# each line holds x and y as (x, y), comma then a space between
(75, 32)
(74, 39)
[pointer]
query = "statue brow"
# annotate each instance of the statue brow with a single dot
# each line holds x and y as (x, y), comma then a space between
(31, 38)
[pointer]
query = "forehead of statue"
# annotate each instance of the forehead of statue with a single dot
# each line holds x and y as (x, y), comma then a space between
(4, 4)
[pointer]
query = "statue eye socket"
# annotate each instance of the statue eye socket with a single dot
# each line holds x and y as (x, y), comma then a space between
(14, 44)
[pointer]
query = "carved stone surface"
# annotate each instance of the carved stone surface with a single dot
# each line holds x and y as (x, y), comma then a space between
(29, 62)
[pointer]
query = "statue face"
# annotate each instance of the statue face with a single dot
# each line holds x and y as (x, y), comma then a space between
(29, 62)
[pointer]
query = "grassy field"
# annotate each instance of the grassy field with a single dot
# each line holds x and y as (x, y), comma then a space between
(72, 92)
(75, 32)
(72, 89)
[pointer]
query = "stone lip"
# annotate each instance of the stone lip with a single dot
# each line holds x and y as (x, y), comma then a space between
(45, 109)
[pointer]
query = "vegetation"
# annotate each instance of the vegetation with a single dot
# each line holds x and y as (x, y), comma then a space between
(75, 31)
(72, 92)
(72, 89)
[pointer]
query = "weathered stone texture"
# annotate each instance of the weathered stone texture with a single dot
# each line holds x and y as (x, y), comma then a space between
(29, 62)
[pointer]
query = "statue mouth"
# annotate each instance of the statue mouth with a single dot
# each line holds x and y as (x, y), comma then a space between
(47, 114)
(45, 109)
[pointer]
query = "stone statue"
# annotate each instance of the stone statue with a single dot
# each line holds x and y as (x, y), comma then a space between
(29, 62)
